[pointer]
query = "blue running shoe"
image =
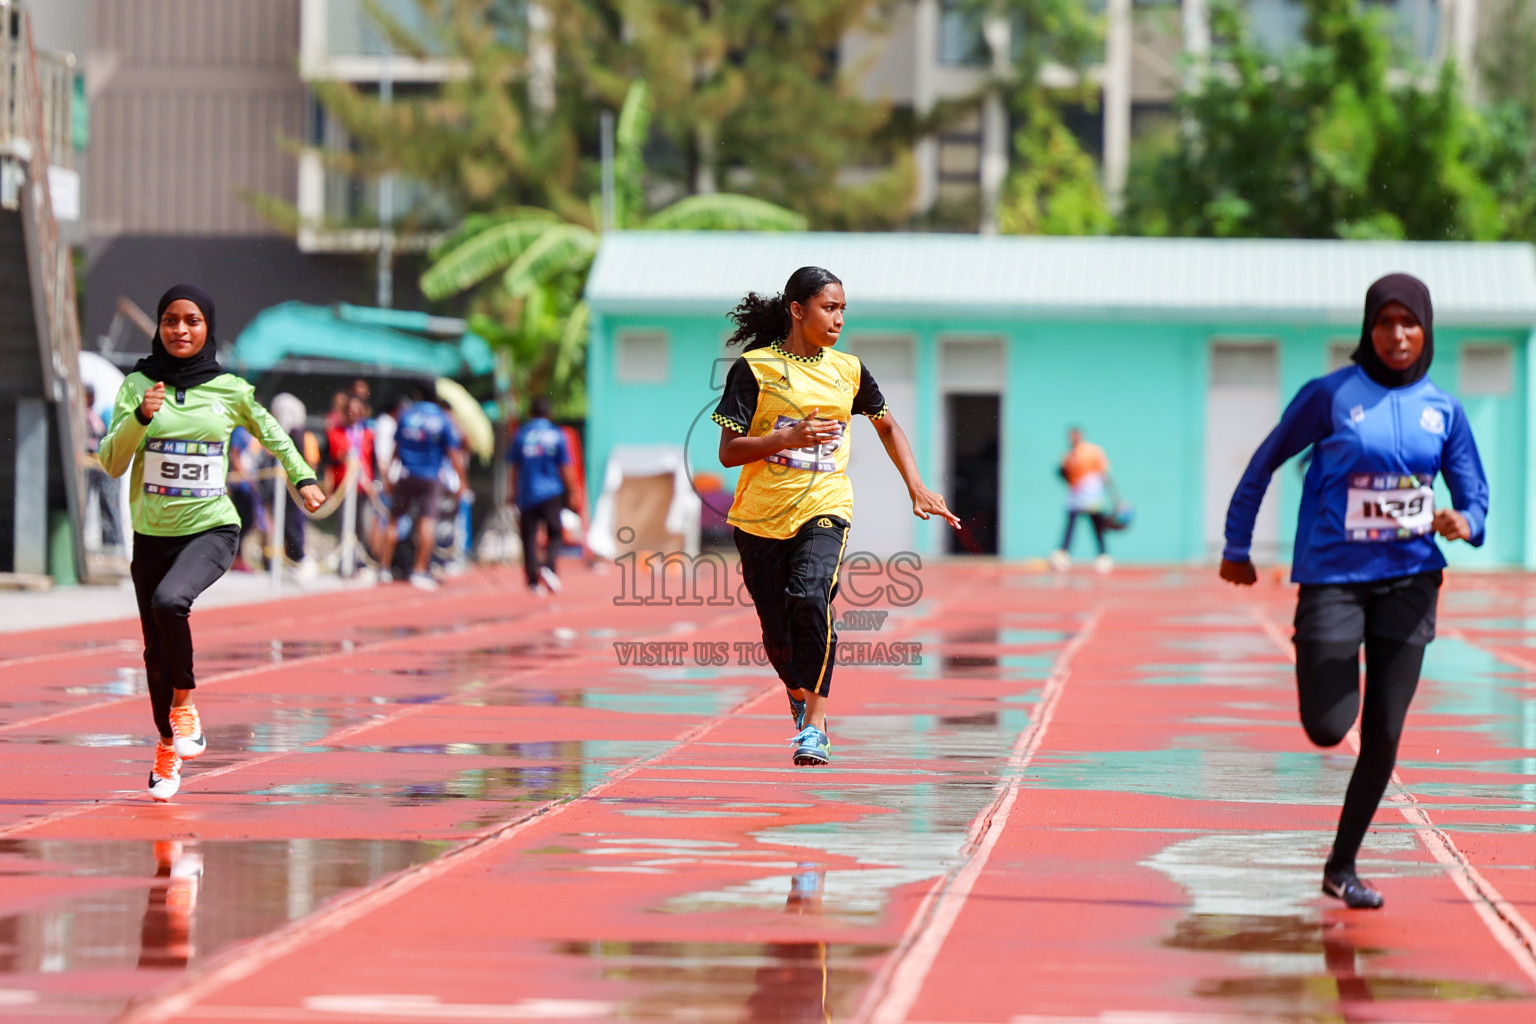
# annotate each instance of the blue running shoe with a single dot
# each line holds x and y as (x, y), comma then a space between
(812, 747)
(796, 711)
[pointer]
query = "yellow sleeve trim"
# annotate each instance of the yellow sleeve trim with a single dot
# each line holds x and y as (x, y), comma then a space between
(726, 421)
(880, 414)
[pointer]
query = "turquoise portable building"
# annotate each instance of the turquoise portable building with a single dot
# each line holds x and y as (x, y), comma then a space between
(1175, 355)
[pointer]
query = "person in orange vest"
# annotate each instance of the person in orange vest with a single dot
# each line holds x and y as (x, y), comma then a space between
(1085, 468)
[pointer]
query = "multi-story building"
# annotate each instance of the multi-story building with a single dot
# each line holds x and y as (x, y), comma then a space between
(944, 51)
(191, 101)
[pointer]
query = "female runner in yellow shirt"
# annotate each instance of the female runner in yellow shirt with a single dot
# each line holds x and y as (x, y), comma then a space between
(784, 419)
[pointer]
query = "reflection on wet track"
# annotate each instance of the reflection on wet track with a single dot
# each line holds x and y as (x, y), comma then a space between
(465, 807)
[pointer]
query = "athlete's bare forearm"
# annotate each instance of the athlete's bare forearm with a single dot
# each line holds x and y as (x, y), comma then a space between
(899, 449)
(925, 503)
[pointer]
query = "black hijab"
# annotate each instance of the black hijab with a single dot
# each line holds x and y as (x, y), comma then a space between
(194, 370)
(1414, 295)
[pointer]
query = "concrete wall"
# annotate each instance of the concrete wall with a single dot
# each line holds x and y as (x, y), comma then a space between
(1137, 389)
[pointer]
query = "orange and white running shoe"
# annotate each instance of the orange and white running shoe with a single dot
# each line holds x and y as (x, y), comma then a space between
(188, 728)
(165, 776)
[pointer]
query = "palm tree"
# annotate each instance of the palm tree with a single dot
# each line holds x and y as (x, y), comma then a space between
(543, 259)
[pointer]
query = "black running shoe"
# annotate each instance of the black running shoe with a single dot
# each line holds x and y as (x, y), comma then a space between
(1344, 884)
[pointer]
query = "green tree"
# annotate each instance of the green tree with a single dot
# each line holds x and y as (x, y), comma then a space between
(1508, 79)
(1322, 142)
(748, 97)
(535, 309)
(1052, 187)
(475, 142)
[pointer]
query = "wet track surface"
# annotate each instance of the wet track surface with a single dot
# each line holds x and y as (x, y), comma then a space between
(1089, 801)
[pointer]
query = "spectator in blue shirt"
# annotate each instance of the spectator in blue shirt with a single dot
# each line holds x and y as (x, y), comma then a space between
(542, 482)
(424, 440)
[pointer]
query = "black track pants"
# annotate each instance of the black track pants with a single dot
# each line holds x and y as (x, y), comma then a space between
(168, 575)
(1395, 620)
(793, 583)
(529, 519)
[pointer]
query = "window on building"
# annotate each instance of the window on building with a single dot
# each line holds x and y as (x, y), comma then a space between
(960, 151)
(961, 39)
(890, 358)
(972, 364)
(1339, 353)
(640, 357)
(1244, 365)
(1487, 369)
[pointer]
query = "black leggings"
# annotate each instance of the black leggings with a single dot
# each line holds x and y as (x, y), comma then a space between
(793, 583)
(1097, 518)
(168, 575)
(1328, 681)
(1395, 619)
(528, 520)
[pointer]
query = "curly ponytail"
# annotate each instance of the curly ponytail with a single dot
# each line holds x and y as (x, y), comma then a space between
(760, 320)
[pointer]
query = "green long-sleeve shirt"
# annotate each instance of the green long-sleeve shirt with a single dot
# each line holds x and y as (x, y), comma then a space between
(180, 459)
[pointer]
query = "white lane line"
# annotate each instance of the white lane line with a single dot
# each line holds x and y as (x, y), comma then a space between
(1505, 923)
(247, 959)
(301, 661)
(900, 981)
(138, 796)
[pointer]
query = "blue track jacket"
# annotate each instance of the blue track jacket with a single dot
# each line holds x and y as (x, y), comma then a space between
(1368, 498)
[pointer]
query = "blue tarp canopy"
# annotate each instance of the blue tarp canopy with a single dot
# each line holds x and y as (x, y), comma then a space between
(386, 342)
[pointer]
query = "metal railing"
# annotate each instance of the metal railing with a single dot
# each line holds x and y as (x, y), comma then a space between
(54, 78)
(34, 134)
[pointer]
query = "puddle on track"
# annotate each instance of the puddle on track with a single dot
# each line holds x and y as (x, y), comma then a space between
(1254, 899)
(751, 983)
(147, 910)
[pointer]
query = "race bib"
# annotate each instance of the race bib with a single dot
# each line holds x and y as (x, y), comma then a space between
(1389, 507)
(184, 469)
(817, 458)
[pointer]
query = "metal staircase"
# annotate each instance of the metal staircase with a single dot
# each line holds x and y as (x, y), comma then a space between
(42, 417)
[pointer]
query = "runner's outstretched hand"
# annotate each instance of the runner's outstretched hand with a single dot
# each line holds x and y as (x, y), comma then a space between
(925, 504)
(1241, 573)
(313, 496)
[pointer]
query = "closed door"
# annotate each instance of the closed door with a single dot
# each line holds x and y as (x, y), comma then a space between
(882, 512)
(1241, 408)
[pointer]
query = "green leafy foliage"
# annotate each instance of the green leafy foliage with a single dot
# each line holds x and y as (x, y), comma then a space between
(746, 96)
(1328, 141)
(544, 260)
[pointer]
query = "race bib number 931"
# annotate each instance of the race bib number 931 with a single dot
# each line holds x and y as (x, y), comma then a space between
(184, 469)
(1389, 507)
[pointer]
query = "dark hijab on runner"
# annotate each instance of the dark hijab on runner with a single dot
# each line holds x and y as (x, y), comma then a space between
(1365, 555)
(170, 433)
(1413, 295)
(197, 369)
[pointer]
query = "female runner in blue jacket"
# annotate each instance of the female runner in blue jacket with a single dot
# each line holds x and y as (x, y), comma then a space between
(1366, 557)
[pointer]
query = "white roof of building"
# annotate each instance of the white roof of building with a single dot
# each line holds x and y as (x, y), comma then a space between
(971, 276)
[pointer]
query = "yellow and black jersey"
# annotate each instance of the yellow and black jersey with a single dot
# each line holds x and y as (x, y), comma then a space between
(769, 388)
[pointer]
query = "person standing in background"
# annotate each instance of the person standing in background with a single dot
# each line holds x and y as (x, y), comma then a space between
(99, 485)
(425, 440)
(353, 437)
(291, 415)
(1085, 468)
(543, 483)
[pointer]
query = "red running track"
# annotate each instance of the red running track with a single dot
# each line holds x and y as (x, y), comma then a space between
(1091, 801)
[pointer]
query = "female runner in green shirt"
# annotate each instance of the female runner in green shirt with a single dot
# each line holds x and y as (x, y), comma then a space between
(171, 424)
